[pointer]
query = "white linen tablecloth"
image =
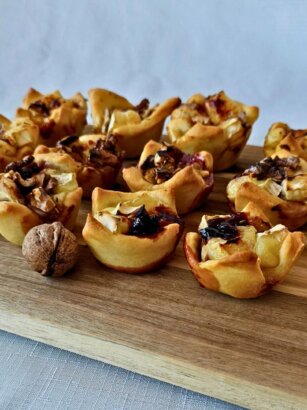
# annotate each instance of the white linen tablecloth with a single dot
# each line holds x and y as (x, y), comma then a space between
(36, 376)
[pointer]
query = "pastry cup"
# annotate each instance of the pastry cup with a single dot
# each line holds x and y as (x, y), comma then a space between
(55, 116)
(90, 174)
(128, 253)
(243, 191)
(283, 141)
(289, 213)
(216, 124)
(131, 136)
(190, 187)
(245, 273)
(16, 218)
(18, 138)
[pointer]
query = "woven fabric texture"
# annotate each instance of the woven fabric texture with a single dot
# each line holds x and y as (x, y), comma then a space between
(36, 376)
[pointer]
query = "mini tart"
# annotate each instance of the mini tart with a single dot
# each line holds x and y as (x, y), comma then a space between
(37, 190)
(283, 141)
(216, 124)
(133, 125)
(229, 255)
(277, 187)
(132, 232)
(98, 159)
(18, 138)
(165, 166)
(55, 116)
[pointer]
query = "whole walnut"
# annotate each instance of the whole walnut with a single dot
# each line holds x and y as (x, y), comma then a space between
(50, 249)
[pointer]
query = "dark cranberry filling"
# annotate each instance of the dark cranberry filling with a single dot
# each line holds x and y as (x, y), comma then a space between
(43, 107)
(143, 223)
(275, 168)
(219, 104)
(170, 160)
(67, 141)
(142, 107)
(26, 167)
(224, 228)
(104, 153)
(169, 154)
(188, 159)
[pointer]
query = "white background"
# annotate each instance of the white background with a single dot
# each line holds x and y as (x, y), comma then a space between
(255, 50)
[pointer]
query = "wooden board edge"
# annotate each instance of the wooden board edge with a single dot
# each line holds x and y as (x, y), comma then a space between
(219, 385)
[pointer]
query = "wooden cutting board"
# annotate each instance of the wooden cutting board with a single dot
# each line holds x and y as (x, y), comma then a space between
(249, 352)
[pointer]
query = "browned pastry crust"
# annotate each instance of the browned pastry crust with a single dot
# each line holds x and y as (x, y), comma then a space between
(133, 125)
(237, 260)
(216, 124)
(283, 141)
(55, 116)
(98, 159)
(18, 138)
(36, 190)
(143, 239)
(277, 188)
(165, 166)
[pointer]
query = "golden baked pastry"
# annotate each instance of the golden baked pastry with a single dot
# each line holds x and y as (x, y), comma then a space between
(283, 141)
(98, 159)
(229, 255)
(277, 187)
(36, 190)
(165, 166)
(133, 125)
(18, 138)
(216, 124)
(132, 232)
(55, 115)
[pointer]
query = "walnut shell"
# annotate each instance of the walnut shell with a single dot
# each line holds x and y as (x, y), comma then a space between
(50, 249)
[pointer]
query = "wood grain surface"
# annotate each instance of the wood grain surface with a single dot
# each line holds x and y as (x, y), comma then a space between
(249, 352)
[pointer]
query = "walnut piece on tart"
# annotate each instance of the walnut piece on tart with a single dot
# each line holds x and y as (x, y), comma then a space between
(35, 190)
(133, 232)
(165, 166)
(98, 159)
(216, 124)
(283, 141)
(55, 115)
(277, 187)
(230, 255)
(18, 138)
(133, 125)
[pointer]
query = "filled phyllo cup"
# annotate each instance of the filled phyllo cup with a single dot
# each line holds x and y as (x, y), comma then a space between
(277, 187)
(216, 124)
(98, 159)
(38, 189)
(162, 165)
(234, 255)
(55, 115)
(133, 125)
(133, 232)
(18, 138)
(283, 141)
